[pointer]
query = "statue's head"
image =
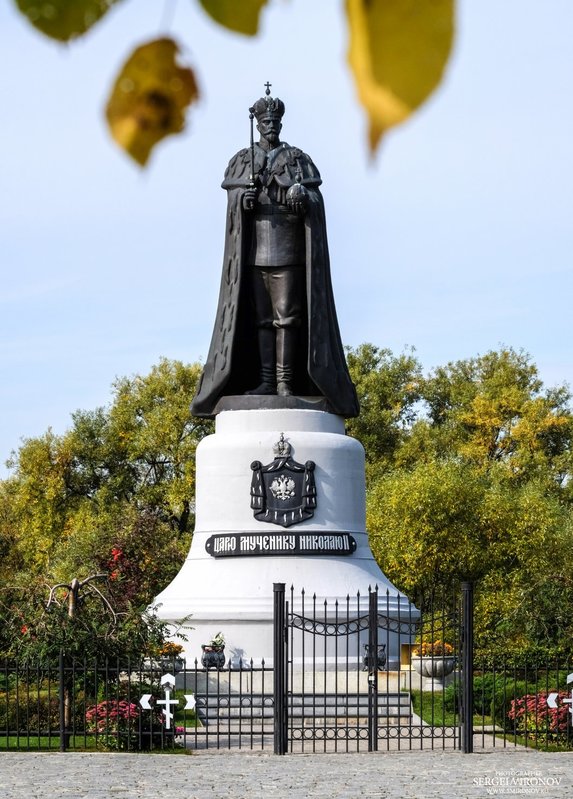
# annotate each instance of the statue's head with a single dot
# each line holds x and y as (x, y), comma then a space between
(269, 112)
(268, 107)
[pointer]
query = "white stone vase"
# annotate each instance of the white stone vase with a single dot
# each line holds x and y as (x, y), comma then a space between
(435, 668)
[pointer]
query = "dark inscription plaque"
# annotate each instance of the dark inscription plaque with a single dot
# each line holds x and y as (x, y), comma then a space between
(234, 545)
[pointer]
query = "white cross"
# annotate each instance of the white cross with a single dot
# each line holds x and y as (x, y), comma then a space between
(168, 680)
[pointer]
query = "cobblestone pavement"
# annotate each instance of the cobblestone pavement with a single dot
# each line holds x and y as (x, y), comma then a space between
(238, 775)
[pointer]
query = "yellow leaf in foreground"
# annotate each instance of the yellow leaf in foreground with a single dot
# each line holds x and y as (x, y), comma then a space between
(149, 98)
(241, 16)
(64, 19)
(398, 51)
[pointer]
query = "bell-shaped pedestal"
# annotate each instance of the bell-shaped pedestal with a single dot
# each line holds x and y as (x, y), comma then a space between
(226, 582)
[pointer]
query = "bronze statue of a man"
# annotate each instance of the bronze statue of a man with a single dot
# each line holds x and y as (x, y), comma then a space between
(276, 331)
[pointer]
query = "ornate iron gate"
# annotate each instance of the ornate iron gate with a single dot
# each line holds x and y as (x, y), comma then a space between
(347, 678)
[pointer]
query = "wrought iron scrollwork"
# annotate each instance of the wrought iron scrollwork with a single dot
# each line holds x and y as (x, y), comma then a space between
(318, 627)
(351, 626)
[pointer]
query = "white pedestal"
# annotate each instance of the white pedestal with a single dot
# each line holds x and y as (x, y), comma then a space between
(235, 594)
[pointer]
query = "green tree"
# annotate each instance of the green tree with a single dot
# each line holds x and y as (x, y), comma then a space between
(424, 525)
(36, 623)
(142, 448)
(115, 492)
(495, 409)
(388, 389)
(41, 498)
(478, 487)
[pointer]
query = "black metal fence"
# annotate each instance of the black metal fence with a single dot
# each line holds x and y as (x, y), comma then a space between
(378, 673)
(521, 704)
(371, 673)
(166, 704)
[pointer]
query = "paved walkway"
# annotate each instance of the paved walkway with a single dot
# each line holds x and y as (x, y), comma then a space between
(238, 775)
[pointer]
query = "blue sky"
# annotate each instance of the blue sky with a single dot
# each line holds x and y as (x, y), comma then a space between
(456, 239)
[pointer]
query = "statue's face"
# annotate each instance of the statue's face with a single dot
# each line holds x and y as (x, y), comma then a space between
(270, 128)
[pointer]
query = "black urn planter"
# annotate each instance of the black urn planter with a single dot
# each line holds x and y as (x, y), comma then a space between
(380, 659)
(213, 657)
(173, 664)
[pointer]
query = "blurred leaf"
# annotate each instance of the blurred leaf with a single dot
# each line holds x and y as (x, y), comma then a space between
(242, 17)
(149, 98)
(398, 51)
(64, 19)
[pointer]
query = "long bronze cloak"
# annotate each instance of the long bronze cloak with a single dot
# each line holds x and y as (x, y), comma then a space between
(232, 366)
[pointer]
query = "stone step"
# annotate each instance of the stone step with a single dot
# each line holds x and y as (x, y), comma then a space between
(303, 700)
(211, 709)
(260, 681)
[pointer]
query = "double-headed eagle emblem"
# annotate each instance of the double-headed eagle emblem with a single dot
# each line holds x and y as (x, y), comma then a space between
(283, 492)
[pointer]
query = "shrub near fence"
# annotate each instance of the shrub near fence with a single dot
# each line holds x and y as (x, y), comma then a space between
(29, 703)
(532, 715)
(34, 709)
(121, 724)
(513, 701)
(492, 696)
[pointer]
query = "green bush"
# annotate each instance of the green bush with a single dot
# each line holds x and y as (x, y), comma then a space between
(29, 709)
(495, 694)
(531, 714)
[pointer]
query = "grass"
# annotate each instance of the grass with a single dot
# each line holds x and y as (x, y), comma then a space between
(46, 743)
(78, 743)
(429, 705)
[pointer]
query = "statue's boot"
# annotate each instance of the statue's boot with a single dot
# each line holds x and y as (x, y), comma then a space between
(267, 355)
(286, 349)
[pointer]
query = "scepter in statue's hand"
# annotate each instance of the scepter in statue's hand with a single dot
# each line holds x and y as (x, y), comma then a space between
(250, 196)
